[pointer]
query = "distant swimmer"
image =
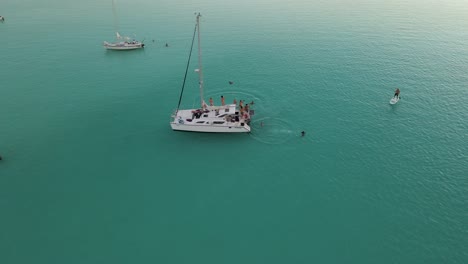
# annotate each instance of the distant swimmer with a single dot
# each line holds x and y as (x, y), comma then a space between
(2, 18)
(397, 93)
(231, 82)
(1, 158)
(167, 45)
(302, 133)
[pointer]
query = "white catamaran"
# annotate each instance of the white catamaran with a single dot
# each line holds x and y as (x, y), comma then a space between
(217, 119)
(121, 42)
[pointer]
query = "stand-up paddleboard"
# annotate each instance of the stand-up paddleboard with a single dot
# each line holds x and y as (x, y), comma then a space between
(394, 100)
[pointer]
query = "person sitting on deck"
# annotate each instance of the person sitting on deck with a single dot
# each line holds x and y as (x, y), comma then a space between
(198, 114)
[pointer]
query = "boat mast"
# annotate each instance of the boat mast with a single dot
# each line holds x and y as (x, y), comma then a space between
(116, 20)
(200, 71)
(187, 67)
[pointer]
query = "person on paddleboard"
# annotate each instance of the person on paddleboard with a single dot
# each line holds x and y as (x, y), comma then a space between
(397, 93)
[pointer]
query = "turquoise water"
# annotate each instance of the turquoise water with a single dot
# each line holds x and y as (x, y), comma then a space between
(92, 172)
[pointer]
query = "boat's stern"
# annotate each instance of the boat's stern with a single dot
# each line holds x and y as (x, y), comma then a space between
(247, 128)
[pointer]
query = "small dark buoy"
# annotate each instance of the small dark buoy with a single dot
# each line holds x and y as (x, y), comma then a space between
(231, 82)
(303, 133)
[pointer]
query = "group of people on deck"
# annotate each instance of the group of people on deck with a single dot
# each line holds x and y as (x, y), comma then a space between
(243, 110)
(132, 42)
(223, 102)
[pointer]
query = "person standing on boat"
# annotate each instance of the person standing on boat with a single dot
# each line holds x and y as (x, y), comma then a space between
(397, 93)
(235, 101)
(222, 100)
(211, 101)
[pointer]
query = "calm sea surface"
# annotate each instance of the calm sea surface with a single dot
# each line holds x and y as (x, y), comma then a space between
(92, 172)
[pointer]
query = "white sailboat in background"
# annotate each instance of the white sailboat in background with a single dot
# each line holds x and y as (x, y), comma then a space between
(121, 42)
(208, 118)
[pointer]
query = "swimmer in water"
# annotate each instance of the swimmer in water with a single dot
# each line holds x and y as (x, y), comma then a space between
(303, 133)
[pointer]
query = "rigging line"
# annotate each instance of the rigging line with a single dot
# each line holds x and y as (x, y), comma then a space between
(116, 18)
(186, 70)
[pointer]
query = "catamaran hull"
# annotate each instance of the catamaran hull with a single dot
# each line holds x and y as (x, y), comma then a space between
(110, 46)
(210, 128)
(123, 48)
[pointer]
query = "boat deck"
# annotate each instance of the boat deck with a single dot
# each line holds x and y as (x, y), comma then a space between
(211, 119)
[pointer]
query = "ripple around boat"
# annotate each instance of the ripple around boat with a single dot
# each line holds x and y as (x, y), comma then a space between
(209, 118)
